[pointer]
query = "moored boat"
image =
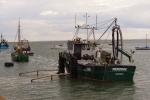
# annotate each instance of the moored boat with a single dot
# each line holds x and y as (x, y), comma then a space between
(19, 55)
(85, 60)
(142, 48)
(146, 47)
(3, 43)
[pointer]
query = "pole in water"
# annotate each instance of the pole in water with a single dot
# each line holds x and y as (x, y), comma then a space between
(51, 77)
(1, 37)
(37, 73)
(146, 40)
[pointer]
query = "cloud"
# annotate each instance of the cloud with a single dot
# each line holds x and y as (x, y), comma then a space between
(42, 19)
(48, 12)
(2, 1)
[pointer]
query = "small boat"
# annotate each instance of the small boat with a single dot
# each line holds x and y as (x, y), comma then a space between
(146, 47)
(3, 43)
(142, 48)
(9, 64)
(19, 54)
(85, 60)
(111, 44)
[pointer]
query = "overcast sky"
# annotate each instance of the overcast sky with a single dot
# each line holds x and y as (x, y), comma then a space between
(43, 20)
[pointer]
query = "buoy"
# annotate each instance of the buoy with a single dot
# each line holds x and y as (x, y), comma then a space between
(9, 64)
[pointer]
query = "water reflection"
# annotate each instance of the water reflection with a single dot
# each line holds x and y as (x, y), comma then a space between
(87, 90)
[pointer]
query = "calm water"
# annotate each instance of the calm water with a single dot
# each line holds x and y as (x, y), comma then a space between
(13, 87)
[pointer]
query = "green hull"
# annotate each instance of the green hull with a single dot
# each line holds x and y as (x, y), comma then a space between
(19, 57)
(106, 73)
(92, 71)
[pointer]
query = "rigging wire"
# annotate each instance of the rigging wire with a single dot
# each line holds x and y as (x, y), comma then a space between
(105, 21)
(105, 40)
(106, 30)
(15, 37)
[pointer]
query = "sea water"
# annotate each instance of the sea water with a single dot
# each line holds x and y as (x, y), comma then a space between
(14, 87)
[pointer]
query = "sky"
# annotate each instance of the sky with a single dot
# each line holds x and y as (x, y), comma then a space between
(48, 20)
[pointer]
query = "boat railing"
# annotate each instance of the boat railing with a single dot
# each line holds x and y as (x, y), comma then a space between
(43, 77)
(49, 76)
(36, 71)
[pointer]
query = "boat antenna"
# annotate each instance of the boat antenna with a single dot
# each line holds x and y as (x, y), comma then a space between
(19, 32)
(96, 22)
(75, 20)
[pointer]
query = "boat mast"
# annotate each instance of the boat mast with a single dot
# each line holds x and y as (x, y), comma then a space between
(96, 22)
(19, 37)
(94, 28)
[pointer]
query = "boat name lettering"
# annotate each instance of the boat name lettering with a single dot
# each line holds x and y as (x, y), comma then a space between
(119, 69)
(118, 74)
(87, 69)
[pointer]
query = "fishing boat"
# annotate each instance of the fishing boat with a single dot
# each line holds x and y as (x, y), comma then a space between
(3, 43)
(85, 60)
(146, 47)
(19, 54)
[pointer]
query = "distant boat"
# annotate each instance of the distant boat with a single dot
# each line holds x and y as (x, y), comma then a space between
(3, 43)
(59, 46)
(111, 44)
(146, 47)
(19, 54)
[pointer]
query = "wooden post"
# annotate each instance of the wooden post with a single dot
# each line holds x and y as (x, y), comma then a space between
(37, 73)
(51, 77)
